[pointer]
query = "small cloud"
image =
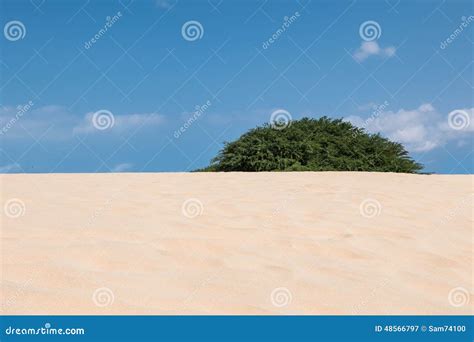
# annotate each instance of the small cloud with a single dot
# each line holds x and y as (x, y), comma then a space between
(57, 123)
(426, 107)
(122, 167)
(50, 122)
(166, 4)
(372, 48)
(366, 106)
(10, 168)
(420, 129)
(121, 123)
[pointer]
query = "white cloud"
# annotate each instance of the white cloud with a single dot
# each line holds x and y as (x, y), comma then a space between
(121, 123)
(10, 168)
(48, 122)
(420, 129)
(372, 48)
(122, 167)
(166, 4)
(58, 123)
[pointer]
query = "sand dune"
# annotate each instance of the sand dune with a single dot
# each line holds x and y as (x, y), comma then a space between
(237, 243)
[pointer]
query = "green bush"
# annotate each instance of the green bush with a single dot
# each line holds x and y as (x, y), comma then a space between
(313, 145)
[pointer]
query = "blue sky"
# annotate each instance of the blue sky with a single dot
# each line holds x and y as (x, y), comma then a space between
(149, 95)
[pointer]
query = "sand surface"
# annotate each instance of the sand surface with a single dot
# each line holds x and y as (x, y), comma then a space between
(237, 243)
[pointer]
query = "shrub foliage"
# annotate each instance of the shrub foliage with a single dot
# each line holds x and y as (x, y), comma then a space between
(313, 145)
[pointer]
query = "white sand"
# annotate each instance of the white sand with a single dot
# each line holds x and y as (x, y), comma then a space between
(300, 236)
